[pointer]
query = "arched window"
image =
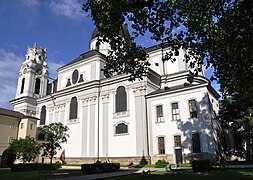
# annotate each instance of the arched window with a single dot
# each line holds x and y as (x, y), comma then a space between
(43, 115)
(97, 45)
(121, 128)
(73, 108)
(22, 86)
(37, 86)
(121, 99)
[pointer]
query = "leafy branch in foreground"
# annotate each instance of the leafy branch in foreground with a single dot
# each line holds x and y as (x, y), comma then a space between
(217, 31)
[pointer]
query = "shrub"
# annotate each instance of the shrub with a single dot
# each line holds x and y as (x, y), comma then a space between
(201, 165)
(99, 168)
(33, 167)
(186, 165)
(161, 164)
(57, 165)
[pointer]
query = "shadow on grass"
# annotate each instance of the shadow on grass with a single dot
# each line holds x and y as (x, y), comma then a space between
(221, 174)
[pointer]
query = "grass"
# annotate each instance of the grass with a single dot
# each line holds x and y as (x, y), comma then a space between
(223, 174)
(219, 174)
(32, 175)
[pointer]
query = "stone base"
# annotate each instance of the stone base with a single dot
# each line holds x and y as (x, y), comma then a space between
(187, 158)
(86, 160)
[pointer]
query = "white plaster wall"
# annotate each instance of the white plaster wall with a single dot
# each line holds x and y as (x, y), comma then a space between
(184, 127)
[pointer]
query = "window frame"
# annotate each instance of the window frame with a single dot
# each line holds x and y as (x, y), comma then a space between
(159, 113)
(116, 132)
(73, 106)
(161, 145)
(31, 126)
(37, 86)
(177, 140)
(193, 110)
(121, 99)
(175, 114)
(22, 86)
(43, 116)
(196, 145)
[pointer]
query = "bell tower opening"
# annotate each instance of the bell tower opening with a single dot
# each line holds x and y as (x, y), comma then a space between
(22, 86)
(37, 86)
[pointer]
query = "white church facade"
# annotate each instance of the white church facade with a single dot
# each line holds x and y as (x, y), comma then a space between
(168, 115)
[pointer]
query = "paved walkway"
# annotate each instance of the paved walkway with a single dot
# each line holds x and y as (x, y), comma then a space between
(124, 171)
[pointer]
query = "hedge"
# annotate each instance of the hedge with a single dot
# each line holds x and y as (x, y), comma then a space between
(34, 167)
(201, 165)
(99, 168)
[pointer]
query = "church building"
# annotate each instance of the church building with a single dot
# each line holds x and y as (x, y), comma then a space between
(168, 115)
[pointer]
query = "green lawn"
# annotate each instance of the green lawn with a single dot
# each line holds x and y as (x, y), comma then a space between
(224, 174)
(31, 175)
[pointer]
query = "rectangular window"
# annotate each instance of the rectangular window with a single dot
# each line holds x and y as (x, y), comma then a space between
(159, 113)
(177, 141)
(161, 146)
(193, 108)
(196, 143)
(175, 111)
(11, 139)
(13, 125)
(21, 125)
(31, 126)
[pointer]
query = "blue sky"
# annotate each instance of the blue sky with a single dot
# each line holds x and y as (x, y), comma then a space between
(61, 26)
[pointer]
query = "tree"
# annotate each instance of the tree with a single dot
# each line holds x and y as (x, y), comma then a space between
(55, 134)
(236, 116)
(219, 32)
(25, 150)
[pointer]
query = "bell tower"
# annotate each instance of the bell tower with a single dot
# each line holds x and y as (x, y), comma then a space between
(32, 81)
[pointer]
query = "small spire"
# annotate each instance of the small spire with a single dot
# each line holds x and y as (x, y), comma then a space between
(35, 44)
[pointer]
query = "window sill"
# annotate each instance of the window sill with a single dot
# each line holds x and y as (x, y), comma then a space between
(121, 114)
(122, 134)
(73, 121)
(175, 120)
(160, 122)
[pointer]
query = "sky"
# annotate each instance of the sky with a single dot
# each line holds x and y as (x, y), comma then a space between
(61, 26)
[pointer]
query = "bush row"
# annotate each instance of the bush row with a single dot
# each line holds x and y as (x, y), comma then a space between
(99, 168)
(201, 165)
(34, 167)
(161, 164)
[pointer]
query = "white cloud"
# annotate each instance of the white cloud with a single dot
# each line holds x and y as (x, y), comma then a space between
(9, 68)
(68, 8)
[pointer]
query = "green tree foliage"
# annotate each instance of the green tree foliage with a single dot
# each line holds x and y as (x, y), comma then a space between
(237, 116)
(25, 150)
(217, 31)
(55, 134)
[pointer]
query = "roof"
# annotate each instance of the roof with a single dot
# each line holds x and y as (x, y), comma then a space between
(84, 56)
(11, 113)
(153, 48)
(124, 32)
(168, 89)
